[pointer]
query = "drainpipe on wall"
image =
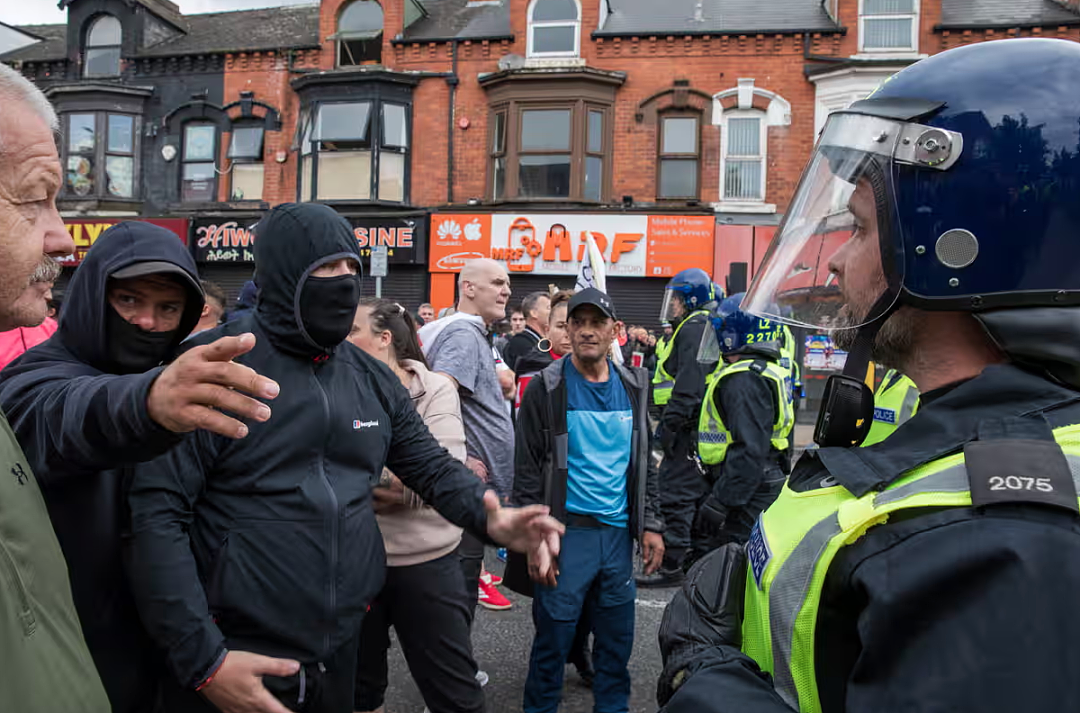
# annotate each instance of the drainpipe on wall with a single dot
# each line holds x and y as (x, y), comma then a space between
(452, 82)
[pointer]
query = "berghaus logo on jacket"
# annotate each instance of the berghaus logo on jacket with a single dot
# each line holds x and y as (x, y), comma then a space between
(358, 424)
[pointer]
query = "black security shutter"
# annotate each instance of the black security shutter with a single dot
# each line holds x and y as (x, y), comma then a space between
(405, 284)
(230, 277)
(638, 299)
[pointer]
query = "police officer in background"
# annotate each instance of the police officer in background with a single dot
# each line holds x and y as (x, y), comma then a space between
(745, 426)
(678, 387)
(895, 401)
(938, 569)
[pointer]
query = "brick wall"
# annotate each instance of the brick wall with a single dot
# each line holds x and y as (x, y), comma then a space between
(709, 65)
(266, 75)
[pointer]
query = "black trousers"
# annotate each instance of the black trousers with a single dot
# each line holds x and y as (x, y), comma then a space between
(429, 609)
(471, 557)
(682, 488)
(322, 687)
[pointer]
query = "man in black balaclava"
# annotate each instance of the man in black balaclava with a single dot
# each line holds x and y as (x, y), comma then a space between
(254, 562)
(92, 401)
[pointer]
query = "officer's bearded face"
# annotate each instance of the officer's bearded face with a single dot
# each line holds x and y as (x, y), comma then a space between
(861, 278)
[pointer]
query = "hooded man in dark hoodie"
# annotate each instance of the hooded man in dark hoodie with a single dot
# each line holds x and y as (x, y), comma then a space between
(243, 551)
(92, 401)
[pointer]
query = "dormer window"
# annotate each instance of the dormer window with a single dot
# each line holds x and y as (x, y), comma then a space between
(554, 28)
(103, 40)
(359, 34)
(889, 25)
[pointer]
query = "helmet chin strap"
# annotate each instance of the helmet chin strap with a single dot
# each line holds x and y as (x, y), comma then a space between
(847, 406)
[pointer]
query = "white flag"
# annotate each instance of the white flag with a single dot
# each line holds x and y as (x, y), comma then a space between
(592, 267)
(593, 274)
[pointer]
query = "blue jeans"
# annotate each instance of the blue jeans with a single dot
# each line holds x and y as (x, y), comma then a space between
(595, 565)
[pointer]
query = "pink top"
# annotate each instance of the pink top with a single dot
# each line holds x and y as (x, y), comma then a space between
(17, 341)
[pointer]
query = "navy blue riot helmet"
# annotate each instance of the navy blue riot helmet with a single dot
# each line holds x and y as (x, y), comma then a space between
(693, 288)
(973, 174)
(952, 187)
(735, 331)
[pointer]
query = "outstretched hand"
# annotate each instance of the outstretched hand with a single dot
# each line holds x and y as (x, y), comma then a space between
(193, 391)
(530, 530)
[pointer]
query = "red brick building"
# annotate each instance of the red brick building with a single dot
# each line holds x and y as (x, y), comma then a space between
(674, 132)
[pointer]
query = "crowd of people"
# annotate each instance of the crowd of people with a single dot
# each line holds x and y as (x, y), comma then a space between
(207, 509)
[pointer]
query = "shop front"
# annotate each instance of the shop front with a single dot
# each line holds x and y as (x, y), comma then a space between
(224, 249)
(85, 232)
(641, 252)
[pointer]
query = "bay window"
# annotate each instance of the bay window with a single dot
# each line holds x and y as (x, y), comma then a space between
(550, 151)
(355, 151)
(99, 155)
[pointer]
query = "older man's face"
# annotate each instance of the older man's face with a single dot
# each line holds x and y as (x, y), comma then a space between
(31, 231)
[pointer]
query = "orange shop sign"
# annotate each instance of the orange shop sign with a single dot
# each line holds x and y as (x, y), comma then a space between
(85, 232)
(554, 244)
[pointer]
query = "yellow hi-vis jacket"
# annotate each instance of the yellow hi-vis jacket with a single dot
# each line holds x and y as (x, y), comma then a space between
(896, 401)
(663, 382)
(714, 437)
(794, 542)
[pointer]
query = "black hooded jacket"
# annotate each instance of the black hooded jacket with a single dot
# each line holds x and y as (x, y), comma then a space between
(269, 544)
(80, 426)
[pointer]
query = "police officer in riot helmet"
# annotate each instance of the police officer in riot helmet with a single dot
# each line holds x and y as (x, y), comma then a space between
(939, 568)
(678, 387)
(745, 425)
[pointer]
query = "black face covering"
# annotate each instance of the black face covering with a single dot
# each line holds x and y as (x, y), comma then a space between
(327, 308)
(133, 350)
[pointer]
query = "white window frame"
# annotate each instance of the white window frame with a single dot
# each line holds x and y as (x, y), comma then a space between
(763, 128)
(554, 23)
(914, 16)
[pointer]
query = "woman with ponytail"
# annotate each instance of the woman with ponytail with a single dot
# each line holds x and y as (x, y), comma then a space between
(424, 598)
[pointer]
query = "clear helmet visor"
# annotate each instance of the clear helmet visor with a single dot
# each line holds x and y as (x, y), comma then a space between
(673, 307)
(831, 260)
(709, 349)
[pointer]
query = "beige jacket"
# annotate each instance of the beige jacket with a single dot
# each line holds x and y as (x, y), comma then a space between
(416, 533)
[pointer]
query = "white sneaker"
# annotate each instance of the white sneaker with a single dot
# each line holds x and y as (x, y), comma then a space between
(482, 677)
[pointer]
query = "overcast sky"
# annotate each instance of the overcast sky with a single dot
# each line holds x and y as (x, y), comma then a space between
(41, 12)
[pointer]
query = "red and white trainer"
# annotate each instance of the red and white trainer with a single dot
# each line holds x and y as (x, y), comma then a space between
(491, 598)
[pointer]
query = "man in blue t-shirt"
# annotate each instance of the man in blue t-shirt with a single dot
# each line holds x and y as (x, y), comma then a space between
(583, 449)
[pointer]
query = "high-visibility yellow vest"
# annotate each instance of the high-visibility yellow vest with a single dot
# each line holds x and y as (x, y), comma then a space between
(787, 360)
(796, 540)
(714, 437)
(663, 382)
(896, 401)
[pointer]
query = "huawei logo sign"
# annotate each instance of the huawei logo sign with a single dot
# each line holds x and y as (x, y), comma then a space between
(449, 230)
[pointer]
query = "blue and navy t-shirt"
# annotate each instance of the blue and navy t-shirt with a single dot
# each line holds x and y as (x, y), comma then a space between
(601, 425)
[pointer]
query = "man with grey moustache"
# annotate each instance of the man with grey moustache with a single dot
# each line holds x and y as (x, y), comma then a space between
(80, 421)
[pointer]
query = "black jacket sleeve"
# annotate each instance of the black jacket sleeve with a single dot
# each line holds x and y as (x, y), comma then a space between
(746, 405)
(704, 670)
(682, 410)
(724, 680)
(71, 418)
(532, 451)
(653, 516)
(162, 569)
(424, 466)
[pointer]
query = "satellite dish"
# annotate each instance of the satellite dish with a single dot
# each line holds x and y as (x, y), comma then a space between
(511, 61)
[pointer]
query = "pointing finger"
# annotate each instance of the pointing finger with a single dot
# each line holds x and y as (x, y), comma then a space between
(228, 348)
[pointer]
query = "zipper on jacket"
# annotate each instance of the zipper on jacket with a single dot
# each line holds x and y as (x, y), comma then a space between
(26, 614)
(332, 607)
